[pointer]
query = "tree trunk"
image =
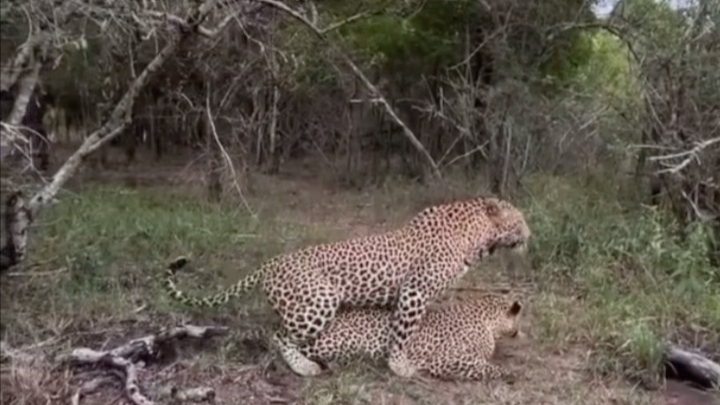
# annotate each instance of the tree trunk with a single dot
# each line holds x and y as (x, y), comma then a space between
(113, 126)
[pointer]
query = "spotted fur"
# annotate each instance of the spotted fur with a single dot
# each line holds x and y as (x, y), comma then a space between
(453, 341)
(402, 270)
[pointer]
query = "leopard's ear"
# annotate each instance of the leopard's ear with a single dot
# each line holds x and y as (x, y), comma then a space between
(492, 208)
(515, 308)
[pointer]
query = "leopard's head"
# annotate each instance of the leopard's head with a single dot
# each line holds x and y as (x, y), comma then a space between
(510, 228)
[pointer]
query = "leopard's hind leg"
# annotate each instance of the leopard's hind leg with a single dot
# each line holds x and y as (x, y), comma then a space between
(306, 306)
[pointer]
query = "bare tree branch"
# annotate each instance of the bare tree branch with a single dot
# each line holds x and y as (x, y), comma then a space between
(615, 30)
(334, 26)
(226, 156)
(374, 92)
(119, 119)
(687, 156)
(14, 67)
(120, 116)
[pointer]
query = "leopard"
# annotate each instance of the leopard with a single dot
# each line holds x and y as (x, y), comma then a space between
(453, 341)
(402, 270)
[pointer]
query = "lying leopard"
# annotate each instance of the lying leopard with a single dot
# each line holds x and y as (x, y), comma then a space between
(454, 341)
(401, 270)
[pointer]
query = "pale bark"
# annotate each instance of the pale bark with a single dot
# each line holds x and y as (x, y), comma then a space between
(23, 70)
(13, 69)
(26, 87)
(694, 366)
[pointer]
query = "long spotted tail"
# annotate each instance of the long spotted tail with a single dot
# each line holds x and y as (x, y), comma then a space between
(214, 300)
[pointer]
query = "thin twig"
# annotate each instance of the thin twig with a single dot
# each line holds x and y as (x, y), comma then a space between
(688, 155)
(227, 158)
(37, 273)
(472, 151)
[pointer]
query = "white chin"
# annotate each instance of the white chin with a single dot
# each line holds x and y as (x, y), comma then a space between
(520, 249)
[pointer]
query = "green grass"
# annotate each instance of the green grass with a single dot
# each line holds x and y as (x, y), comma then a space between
(105, 250)
(116, 224)
(611, 275)
(638, 286)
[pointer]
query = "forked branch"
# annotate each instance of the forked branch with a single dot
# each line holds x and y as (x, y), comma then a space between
(684, 157)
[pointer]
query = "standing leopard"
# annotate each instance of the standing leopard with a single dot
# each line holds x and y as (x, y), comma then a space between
(401, 270)
(454, 341)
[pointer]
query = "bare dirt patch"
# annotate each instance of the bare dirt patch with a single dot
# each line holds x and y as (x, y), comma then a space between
(679, 393)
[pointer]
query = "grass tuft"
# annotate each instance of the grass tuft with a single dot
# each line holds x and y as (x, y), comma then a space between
(638, 284)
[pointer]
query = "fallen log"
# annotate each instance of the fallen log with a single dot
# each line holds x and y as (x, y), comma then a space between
(692, 366)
